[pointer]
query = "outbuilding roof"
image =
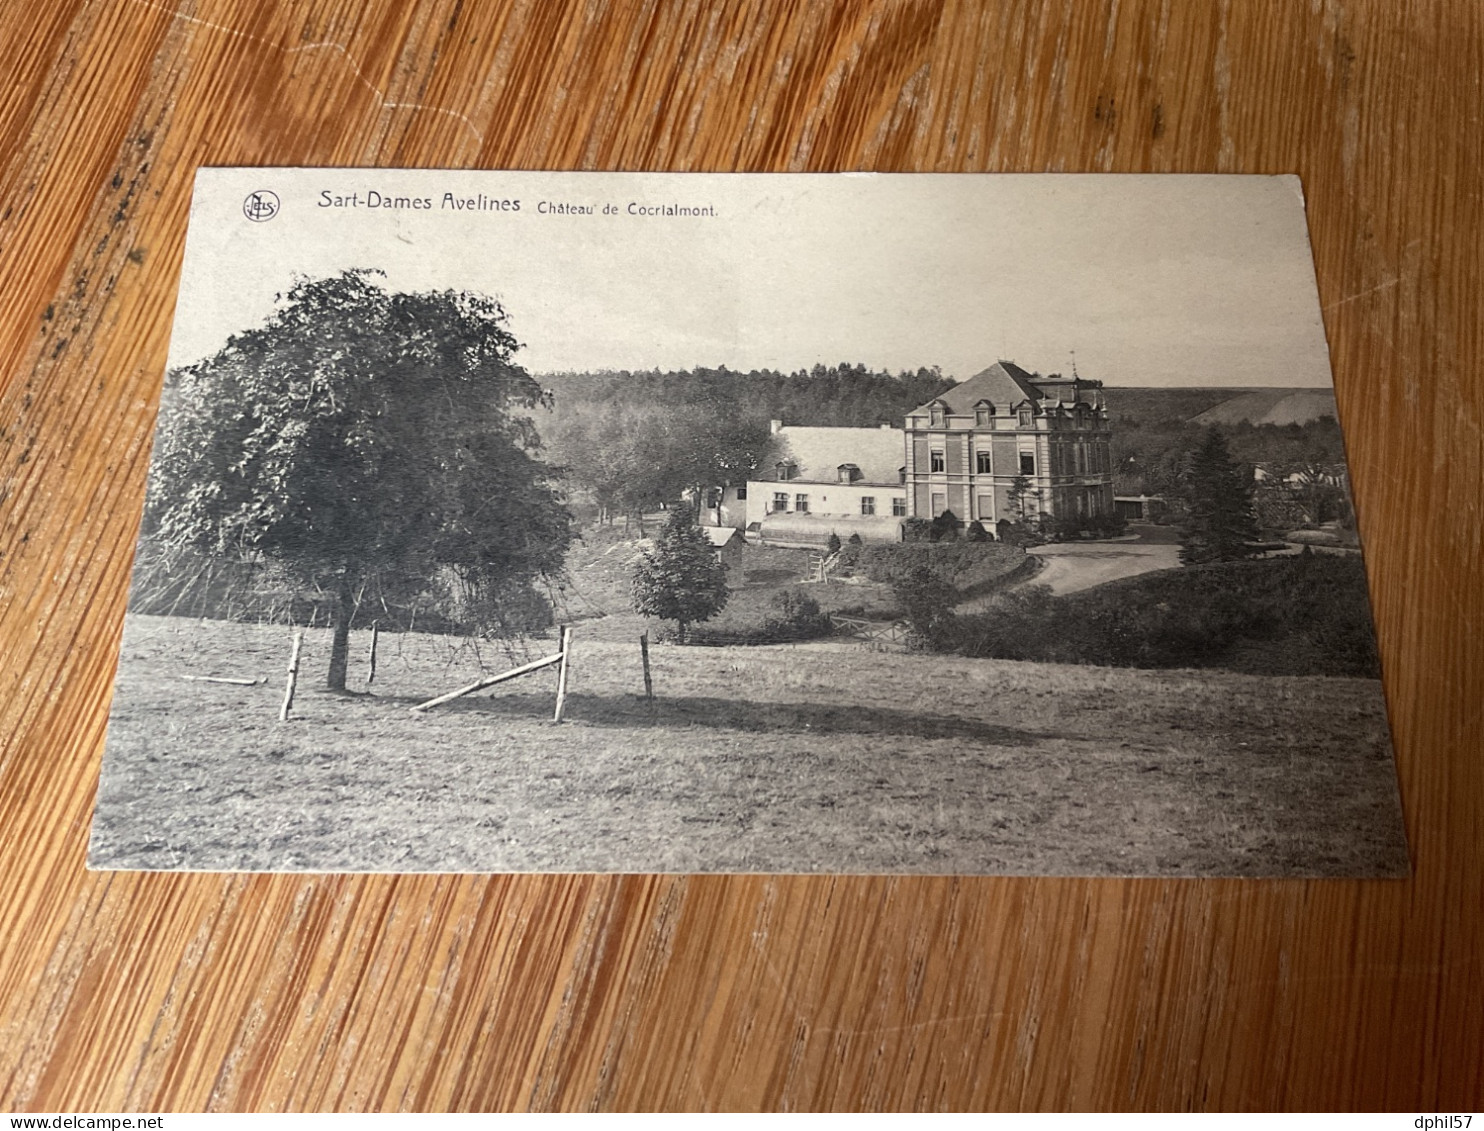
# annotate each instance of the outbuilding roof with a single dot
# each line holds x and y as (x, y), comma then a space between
(719, 536)
(819, 453)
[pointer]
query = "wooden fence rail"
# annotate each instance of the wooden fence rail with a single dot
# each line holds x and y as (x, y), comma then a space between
(894, 632)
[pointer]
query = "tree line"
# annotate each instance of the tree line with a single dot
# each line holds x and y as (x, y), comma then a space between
(633, 441)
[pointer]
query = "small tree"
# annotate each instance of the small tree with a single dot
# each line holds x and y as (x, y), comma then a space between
(1219, 526)
(833, 544)
(1020, 490)
(976, 532)
(682, 579)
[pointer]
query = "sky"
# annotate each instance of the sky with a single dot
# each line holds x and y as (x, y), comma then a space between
(1151, 280)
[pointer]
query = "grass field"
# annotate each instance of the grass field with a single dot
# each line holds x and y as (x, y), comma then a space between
(600, 569)
(820, 757)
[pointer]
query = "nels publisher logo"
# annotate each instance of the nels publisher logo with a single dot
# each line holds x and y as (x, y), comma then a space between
(261, 205)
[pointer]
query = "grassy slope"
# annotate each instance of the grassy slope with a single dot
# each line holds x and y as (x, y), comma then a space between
(822, 757)
(600, 569)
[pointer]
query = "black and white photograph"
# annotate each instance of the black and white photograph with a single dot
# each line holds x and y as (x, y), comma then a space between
(848, 523)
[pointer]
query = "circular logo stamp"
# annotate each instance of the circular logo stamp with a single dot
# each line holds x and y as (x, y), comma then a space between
(261, 205)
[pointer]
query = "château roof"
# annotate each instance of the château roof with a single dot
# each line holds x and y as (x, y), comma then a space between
(820, 452)
(1003, 385)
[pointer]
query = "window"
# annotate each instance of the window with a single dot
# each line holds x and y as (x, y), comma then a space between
(936, 461)
(982, 459)
(786, 470)
(935, 416)
(847, 473)
(801, 503)
(868, 504)
(898, 508)
(986, 506)
(940, 503)
(1027, 416)
(741, 494)
(982, 413)
(780, 501)
(1027, 463)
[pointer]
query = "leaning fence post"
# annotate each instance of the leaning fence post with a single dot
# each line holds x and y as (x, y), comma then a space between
(371, 658)
(562, 673)
(288, 691)
(644, 654)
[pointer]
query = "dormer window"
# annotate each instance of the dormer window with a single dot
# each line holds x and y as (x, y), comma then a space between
(848, 473)
(936, 418)
(983, 411)
(786, 470)
(1027, 416)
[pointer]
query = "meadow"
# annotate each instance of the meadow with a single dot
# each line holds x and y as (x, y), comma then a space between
(818, 757)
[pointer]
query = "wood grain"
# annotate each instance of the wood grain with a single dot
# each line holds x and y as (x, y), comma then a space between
(188, 992)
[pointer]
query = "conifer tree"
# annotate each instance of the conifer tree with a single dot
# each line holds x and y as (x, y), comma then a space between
(1220, 526)
(682, 579)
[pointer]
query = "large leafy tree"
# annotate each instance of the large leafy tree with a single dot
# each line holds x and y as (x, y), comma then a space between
(362, 435)
(682, 578)
(1219, 525)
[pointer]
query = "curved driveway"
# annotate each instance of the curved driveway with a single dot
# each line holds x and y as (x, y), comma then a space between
(1072, 566)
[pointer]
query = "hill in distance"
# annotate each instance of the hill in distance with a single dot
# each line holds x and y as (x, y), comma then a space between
(1219, 406)
(1273, 406)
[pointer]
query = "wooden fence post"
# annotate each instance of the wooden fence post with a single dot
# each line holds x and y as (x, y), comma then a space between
(371, 670)
(644, 654)
(562, 673)
(288, 691)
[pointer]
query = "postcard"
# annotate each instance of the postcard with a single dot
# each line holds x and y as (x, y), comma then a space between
(589, 522)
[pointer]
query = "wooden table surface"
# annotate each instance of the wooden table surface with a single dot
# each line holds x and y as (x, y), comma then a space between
(189, 992)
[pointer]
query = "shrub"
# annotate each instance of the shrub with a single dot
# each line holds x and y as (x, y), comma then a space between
(791, 615)
(976, 532)
(916, 530)
(1075, 526)
(798, 615)
(963, 565)
(945, 527)
(1304, 615)
(927, 605)
(832, 545)
(1018, 534)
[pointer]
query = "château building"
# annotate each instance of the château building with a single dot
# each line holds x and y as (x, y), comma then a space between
(1003, 446)
(1007, 445)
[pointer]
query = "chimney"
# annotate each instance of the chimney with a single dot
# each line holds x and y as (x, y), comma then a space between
(775, 426)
